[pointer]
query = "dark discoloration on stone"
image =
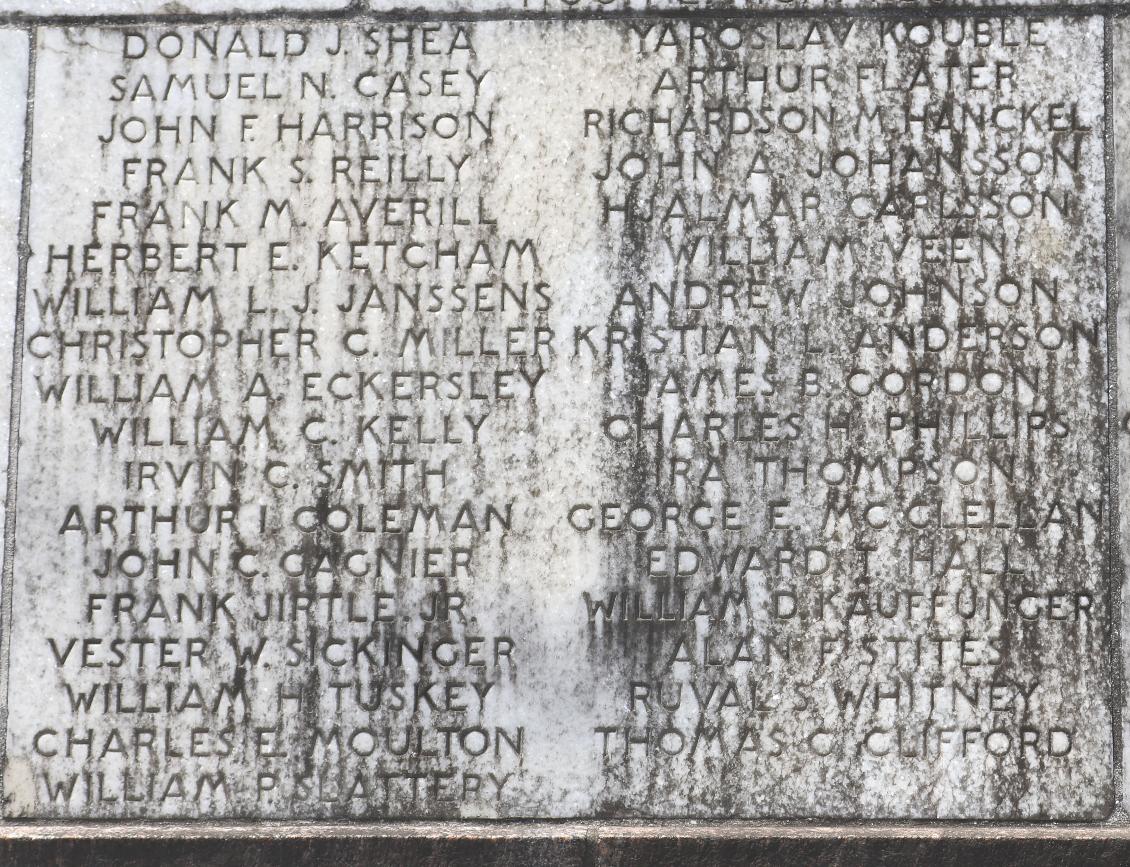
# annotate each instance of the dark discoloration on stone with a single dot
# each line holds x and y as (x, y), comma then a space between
(433, 853)
(596, 849)
(684, 671)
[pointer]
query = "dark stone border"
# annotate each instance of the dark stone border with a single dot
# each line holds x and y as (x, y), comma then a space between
(509, 845)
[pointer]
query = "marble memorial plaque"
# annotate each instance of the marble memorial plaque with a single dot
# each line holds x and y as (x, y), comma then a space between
(563, 419)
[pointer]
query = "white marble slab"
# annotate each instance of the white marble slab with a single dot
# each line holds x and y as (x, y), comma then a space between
(737, 391)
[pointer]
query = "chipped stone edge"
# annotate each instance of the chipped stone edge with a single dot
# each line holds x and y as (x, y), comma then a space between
(30, 12)
(125, 12)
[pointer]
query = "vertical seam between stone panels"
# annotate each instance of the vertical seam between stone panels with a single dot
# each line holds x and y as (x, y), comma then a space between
(14, 414)
(1114, 559)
